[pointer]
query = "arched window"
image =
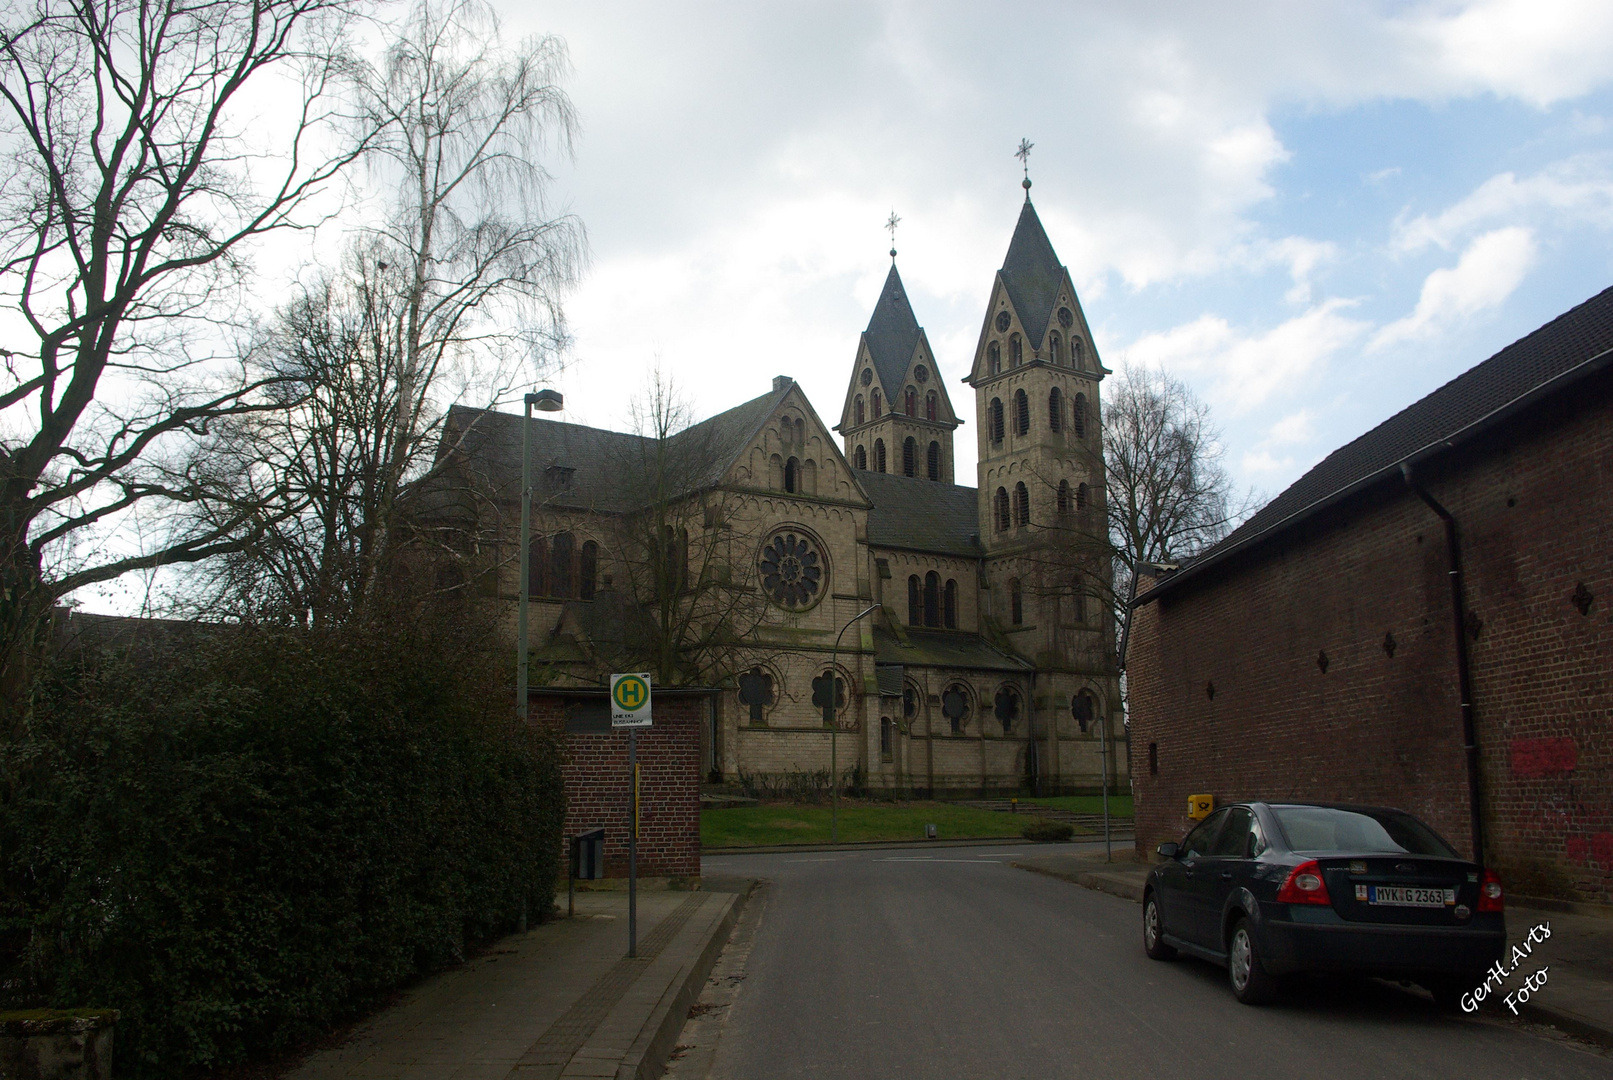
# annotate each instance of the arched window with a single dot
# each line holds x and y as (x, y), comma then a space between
(792, 476)
(862, 457)
(1022, 504)
(1056, 347)
(1077, 351)
(934, 463)
(910, 453)
(910, 702)
(1055, 409)
(859, 409)
(589, 570)
(949, 605)
(955, 706)
(879, 455)
(1078, 609)
(910, 402)
(915, 602)
(1000, 509)
(1016, 351)
(1007, 708)
(756, 692)
(885, 739)
(994, 359)
(875, 396)
(1064, 497)
(1084, 708)
(996, 419)
(1080, 416)
(537, 567)
(1016, 602)
(1081, 497)
(1022, 413)
(932, 599)
(800, 432)
(561, 550)
(932, 405)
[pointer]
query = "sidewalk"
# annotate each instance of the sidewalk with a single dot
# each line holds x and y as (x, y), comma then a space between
(561, 1001)
(1578, 994)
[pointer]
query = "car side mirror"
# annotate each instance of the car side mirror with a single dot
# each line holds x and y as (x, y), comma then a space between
(1167, 850)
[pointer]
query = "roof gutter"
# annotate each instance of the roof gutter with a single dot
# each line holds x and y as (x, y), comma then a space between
(1578, 373)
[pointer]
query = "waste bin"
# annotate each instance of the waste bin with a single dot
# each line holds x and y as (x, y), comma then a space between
(588, 855)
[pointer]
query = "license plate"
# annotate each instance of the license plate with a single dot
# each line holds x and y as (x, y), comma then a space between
(1404, 896)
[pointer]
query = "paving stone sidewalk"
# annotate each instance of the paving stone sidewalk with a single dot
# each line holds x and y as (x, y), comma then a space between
(1577, 996)
(561, 1001)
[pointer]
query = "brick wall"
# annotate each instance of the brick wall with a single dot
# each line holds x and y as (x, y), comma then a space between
(598, 790)
(1534, 506)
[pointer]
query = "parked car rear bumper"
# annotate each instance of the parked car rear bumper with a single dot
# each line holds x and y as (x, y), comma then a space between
(1380, 950)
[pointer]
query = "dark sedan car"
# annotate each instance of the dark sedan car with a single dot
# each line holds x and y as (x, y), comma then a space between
(1270, 889)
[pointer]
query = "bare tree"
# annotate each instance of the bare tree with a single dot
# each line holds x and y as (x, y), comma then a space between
(687, 549)
(131, 193)
(1169, 496)
(456, 294)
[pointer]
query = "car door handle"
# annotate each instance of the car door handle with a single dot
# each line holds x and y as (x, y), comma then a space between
(1188, 870)
(1226, 875)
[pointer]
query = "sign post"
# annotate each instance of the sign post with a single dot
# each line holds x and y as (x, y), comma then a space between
(630, 709)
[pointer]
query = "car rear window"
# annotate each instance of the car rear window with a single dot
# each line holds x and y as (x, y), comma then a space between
(1326, 828)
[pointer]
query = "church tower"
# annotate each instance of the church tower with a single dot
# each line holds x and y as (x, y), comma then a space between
(897, 417)
(1041, 483)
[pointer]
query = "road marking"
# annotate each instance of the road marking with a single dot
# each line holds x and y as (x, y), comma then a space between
(925, 858)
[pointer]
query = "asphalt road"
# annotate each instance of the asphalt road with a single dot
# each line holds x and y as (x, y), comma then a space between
(950, 963)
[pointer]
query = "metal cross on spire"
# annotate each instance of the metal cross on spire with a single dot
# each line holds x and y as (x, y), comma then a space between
(891, 224)
(1024, 156)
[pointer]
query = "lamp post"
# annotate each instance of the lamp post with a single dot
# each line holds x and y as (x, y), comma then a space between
(543, 401)
(834, 730)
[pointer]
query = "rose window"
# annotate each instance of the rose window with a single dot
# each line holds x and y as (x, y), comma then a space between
(792, 571)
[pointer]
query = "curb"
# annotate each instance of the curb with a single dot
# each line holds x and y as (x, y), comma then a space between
(1573, 1025)
(1096, 880)
(868, 845)
(646, 1058)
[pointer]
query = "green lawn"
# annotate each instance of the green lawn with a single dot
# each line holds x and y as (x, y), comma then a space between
(1119, 805)
(808, 823)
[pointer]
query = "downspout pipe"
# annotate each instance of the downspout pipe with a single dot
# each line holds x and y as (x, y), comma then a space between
(1464, 682)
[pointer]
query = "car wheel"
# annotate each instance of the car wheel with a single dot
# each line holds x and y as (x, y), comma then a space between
(1154, 931)
(1251, 983)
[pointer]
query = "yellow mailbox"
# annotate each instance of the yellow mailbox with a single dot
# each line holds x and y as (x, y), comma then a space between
(1199, 806)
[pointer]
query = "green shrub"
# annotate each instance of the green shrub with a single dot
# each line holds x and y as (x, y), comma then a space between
(242, 843)
(1044, 832)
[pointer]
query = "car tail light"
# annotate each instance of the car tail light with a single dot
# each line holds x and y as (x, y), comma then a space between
(1305, 886)
(1491, 895)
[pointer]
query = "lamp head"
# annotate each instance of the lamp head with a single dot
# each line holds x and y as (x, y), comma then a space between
(547, 400)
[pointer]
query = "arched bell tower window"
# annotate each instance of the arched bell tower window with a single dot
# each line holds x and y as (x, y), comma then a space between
(1064, 497)
(1056, 347)
(932, 405)
(1055, 409)
(1016, 602)
(1022, 413)
(1016, 351)
(1081, 497)
(995, 419)
(861, 459)
(879, 455)
(994, 359)
(1080, 416)
(1022, 504)
(1077, 351)
(859, 409)
(932, 599)
(875, 396)
(934, 462)
(910, 402)
(915, 602)
(909, 457)
(1000, 509)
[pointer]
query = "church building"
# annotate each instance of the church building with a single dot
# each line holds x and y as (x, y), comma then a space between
(739, 552)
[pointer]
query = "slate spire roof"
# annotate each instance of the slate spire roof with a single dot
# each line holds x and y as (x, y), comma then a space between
(892, 334)
(1032, 273)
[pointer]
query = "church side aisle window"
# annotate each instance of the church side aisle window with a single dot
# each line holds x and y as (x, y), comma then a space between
(915, 603)
(932, 599)
(756, 693)
(955, 706)
(1016, 602)
(1006, 707)
(949, 607)
(885, 739)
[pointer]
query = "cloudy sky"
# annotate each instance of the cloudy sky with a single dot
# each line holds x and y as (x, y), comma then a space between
(1313, 213)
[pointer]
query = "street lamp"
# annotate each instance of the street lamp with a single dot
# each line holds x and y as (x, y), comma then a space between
(543, 401)
(834, 730)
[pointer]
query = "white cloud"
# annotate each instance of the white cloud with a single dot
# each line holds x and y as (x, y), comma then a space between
(1244, 370)
(1489, 270)
(1575, 191)
(1540, 51)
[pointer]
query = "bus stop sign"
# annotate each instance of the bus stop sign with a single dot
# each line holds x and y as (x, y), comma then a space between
(630, 700)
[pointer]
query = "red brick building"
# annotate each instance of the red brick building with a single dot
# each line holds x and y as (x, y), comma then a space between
(598, 788)
(1314, 653)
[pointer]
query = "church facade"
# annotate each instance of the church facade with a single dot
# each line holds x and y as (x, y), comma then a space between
(738, 553)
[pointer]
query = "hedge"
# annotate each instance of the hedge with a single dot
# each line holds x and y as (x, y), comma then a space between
(247, 841)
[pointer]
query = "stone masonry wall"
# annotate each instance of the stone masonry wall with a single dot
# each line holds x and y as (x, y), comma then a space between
(1227, 684)
(599, 791)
